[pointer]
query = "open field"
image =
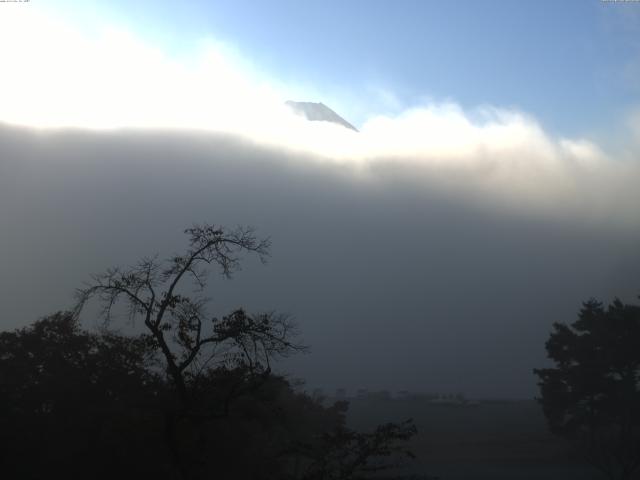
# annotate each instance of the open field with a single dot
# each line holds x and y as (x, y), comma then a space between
(491, 440)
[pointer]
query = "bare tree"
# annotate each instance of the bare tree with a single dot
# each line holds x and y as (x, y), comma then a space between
(177, 321)
(168, 297)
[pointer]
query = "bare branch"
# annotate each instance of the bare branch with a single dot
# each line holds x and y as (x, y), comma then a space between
(151, 289)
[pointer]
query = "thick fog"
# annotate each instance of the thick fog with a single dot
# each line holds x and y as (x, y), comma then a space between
(401, 274)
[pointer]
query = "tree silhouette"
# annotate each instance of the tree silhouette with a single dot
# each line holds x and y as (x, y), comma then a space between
(75, 403)
(78, 402)
(348, 455)
(192, 397)
(83, 404)
(592, 396)
(177, 318)
(197, 349)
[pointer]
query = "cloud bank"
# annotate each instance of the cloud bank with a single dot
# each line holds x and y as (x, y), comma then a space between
(430, 251)
(61, 76)
(395, 285)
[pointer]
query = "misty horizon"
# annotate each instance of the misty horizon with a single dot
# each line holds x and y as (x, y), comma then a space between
(396, 285)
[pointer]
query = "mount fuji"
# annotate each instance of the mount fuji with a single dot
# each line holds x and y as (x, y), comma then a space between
(318, 112)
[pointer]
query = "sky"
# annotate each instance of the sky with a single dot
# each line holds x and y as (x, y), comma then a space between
(572, 65)
(491, 188)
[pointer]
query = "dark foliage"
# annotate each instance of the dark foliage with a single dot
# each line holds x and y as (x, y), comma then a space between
(208, 362)
(348, 455)
(83, 404)
(592, 396)
(79, 403)
(193, 397)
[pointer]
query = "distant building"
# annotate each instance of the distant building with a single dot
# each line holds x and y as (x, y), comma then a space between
(380, 395)
(401, 394)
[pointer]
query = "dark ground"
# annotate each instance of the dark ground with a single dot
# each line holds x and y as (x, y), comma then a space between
(491, 440)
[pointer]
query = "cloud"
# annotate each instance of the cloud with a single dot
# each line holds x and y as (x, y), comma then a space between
(396, 283)
(435, 247)
(61, 76)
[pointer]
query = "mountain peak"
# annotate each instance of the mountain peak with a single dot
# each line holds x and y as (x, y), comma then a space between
(318, 112)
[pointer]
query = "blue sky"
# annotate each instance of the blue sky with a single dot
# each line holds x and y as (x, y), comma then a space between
(574, 65)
